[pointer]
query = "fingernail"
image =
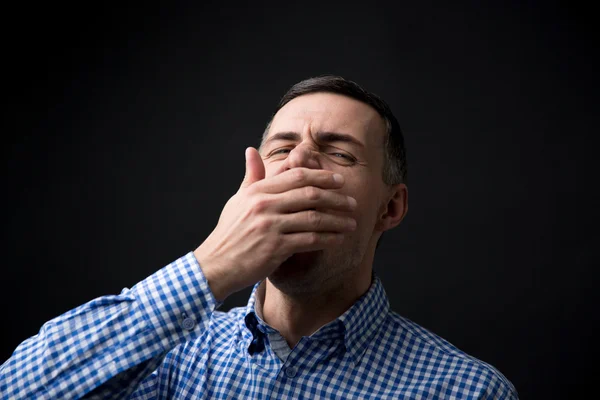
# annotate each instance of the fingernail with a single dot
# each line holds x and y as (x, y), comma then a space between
(352, 202)
(338, 178)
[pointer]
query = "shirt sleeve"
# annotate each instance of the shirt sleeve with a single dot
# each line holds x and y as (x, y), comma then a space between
(106, 347)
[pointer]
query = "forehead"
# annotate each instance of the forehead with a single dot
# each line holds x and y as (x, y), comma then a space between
(330, 112)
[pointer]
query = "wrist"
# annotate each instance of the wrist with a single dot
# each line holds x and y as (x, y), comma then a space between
(216, 280)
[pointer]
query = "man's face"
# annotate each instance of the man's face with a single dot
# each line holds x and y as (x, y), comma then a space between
(336, 133)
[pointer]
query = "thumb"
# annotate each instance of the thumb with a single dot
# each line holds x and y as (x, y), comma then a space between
(255, 168)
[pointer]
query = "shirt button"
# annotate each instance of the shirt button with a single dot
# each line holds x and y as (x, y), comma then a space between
(291, 372)
(188, 324)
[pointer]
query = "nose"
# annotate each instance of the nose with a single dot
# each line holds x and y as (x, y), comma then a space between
(302, 156)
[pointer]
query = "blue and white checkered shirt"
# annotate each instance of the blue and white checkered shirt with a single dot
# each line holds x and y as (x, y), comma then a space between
(163, 339)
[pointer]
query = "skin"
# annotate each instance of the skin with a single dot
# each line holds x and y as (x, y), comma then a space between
(312, 238)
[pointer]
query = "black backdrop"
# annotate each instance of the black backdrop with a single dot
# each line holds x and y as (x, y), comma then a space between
(125, 128)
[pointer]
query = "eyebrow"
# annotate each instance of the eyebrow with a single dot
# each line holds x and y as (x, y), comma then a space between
(322, 137)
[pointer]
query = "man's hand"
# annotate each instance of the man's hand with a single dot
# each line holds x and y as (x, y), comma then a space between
(268, 220)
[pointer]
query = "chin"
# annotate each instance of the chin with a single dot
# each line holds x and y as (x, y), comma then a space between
(301, 263)
(302, 272)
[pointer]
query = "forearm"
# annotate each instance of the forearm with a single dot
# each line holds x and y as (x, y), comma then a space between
(112, 337)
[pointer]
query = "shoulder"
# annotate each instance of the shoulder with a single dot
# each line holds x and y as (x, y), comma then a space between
(429, 354)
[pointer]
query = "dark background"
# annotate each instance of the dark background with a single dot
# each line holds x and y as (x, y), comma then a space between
(124, 135)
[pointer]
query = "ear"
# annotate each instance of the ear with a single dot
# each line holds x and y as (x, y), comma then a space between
(393, 211)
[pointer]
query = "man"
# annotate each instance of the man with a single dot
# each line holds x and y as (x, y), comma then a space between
(328, 180)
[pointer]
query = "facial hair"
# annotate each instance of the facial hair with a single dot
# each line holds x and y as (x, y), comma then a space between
(315, 272)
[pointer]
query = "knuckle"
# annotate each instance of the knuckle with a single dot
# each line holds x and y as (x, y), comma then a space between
(277, 242)
(298, 175)
(251, 190)
(260, 204)
(312, 193)
(272, 246)
(313, 238)
(263, 224)
(314, 218)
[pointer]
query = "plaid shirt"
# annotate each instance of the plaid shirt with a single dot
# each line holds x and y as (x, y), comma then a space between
(163, 339)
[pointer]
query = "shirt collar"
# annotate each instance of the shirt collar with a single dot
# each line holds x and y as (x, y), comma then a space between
(357, 325)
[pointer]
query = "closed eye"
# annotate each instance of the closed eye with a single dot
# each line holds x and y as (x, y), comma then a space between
(337, 155)
(342, 155)
(279, 151)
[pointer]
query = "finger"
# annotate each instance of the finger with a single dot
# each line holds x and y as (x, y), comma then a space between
(310, 197)
(315, 221)
(299, 177)
(255, 168)
(310, 241)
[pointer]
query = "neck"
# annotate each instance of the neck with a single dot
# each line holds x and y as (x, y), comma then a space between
(298, 316)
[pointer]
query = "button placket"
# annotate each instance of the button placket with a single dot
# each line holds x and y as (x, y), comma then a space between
(291, 372)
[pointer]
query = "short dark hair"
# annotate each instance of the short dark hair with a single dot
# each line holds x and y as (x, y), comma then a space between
(394, 164)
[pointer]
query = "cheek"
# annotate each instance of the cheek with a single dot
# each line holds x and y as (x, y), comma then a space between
(362, 193)
(368, 196)
(273, 168)
(359, 183)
